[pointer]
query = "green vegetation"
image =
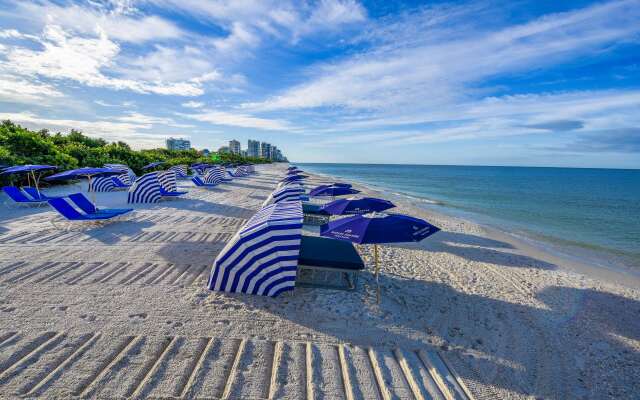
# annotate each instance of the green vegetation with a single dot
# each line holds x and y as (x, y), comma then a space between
(19, 146)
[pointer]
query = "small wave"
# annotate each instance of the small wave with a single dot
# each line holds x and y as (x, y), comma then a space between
(420, 199)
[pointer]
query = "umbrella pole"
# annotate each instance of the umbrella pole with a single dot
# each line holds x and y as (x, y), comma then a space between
(375, 256)
(35, 181)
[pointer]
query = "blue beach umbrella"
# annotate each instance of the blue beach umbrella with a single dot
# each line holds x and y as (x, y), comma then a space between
(378, 228)
(153, 165)
(86, 172)
(30, 170)
(340, 184)
(365, 205)
(332, 191)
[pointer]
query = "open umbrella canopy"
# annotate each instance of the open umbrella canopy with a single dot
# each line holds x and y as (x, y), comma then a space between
(26, 168)
(86, 172)
(332, 191)
(379, 228)
(340, 184)
(293, 178)
(365, 205)
(153, 165)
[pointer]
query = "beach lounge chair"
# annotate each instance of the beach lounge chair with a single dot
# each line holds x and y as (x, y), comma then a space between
(199, 182)
(165, 193)
(314, 215)
(36, 194)
(328, 263)
(81, 201)
(70, 213)
(19, 196)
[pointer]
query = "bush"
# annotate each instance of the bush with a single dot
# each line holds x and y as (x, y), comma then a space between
(20, 146)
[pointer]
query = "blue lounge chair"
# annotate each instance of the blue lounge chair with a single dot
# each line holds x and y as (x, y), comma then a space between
(70, 213)
(18, 196)
(87, 206)
(199, 182)
(170, 194)
(36, 194)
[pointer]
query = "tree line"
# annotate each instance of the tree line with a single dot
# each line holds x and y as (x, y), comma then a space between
(19, 146)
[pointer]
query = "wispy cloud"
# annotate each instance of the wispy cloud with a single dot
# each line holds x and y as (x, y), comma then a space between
(85, 60)
(425, 72)
(132, 132)
(238, 120)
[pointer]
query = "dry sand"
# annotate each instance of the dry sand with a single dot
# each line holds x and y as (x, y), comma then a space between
(121, 311)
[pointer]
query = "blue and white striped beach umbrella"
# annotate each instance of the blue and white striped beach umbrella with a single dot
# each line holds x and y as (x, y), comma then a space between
(263, 256)
(146, 189)
(102, 184)
(286, 193)
(180, 170)
(168, 180)
(212, 176)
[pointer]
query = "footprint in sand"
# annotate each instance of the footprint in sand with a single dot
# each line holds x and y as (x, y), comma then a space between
(8, 309)
(138, 317)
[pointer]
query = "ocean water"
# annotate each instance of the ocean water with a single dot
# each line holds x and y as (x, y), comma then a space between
(597, 210)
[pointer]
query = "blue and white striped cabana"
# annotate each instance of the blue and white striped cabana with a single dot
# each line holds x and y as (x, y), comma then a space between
(286, 193)
(131, 176)
(180, 170)
(263, 256)
(212, 176)
(102, 184)
(146, 189)
(168, 180)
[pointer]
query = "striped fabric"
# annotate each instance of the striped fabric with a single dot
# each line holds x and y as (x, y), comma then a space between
(131, 176)
(146, 189)
(286, 193)
(212, 176)
(180, 170)
(215, 174)
(125, 178)
(167, 180)
(263, 256)
(102, 184)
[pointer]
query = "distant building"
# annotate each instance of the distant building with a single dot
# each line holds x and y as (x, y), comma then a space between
(234, 146)
(206, 152)
(224, 149)
(265, 150)
(178, 144)
(272, 154)
(243, 153)
(253, 148)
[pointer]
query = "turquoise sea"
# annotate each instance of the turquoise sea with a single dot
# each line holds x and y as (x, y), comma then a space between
(596, 210)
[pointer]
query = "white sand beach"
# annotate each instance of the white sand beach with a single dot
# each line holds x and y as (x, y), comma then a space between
(122, 311)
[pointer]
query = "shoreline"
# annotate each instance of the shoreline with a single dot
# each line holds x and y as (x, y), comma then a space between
(593, 265)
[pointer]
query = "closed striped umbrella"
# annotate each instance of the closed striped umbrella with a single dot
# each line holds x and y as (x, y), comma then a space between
(263, 256)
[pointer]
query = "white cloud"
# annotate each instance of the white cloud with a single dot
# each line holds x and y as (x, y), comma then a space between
(246, 21)
(239, 120)
(132, 133)
(18, 90)
(85, 60)
(147, 120)
(114, 22)
(193, 104)
(420, 73)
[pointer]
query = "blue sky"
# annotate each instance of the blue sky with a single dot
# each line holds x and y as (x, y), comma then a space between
(536, 82)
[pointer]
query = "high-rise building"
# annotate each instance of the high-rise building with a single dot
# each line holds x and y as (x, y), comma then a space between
(265, 150)
(273, 153)
(234, 146)
(253, 148)
(178, 144)
(224, 149)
